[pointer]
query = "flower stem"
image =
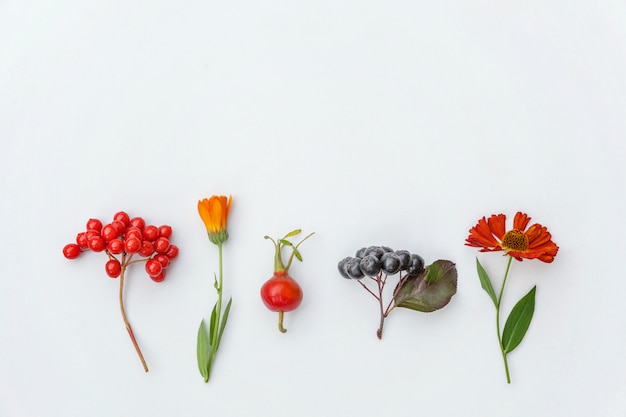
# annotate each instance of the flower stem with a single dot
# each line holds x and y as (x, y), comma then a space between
(506, 364)
(218, 310)
(128, 328)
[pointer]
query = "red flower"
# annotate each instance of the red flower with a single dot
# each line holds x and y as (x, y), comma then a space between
(535, 243)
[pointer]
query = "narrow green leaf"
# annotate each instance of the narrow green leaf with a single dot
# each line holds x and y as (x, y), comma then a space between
(518, 321)
(203, 351)
(224, 320)
(215, 284)
(296, 252)
(293, 233)
(485, 282)
(286, 242)
(212, 324)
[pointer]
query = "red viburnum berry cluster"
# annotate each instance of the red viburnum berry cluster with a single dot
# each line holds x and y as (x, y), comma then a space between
(122, 240)
(126, 237)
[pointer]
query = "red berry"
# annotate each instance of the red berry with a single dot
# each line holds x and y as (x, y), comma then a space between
(137, 222)
(113, 268)
(119, 227)
(90, 233)
(158, 278)
(96, 244)
(122, 217)
(134, 232)
(147, 249)
(132, 245)
(81, 240)
(162, 259)
(153, 267)
(161, 245)
(165, 231)
(116, 246)
(150, 233)
(94, 224)
(109, 232)
(172, 252)
(71, 251)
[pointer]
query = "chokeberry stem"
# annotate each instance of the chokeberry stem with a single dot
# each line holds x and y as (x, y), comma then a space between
(506, 364)
(128, 328)
(381, 286)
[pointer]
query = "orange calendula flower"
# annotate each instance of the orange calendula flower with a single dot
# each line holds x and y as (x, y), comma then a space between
(533, 243)
(214, 214)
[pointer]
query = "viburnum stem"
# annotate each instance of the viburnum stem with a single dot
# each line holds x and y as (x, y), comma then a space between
(128, 328)
(506, 364)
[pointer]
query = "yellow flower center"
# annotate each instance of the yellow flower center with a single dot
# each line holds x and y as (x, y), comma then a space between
(515, 240)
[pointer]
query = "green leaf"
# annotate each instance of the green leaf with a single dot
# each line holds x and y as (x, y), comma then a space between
(285, 242)
(431, 290)
(203, 351)
(485, 282)
(215, 284)
(224, 320)
(518, 322)
(293, 233)
(296, 252)
(212, 324)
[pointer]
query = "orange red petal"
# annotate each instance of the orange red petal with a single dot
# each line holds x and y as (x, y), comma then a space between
(488, 234)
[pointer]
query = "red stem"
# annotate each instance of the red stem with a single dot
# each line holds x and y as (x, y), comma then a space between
(125, 263)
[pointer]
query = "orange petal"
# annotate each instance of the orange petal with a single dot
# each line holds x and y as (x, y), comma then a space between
(520, 221)
(203, 211)
(481, 236)
(497, 225)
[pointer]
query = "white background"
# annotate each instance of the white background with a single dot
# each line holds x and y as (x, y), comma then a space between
(397, 123)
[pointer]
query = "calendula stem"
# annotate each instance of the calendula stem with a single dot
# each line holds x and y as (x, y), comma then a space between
(218, 311)
(128, 328)
(506, 364)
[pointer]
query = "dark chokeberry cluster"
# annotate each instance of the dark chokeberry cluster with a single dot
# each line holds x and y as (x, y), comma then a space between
(371, 261)
(124, 238)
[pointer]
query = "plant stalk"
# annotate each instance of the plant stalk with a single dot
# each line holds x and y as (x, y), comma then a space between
(218, 311)
(506, 364)
(128, 328)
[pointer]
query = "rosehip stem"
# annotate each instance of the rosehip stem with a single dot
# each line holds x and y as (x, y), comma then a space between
(281, 314)
(125, 263)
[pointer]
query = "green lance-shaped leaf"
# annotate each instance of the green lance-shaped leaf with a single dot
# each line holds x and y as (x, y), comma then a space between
(485, 282)
(203, 351)
(298, 254)
(431, 290)
(285, 242)
(518, 322)
(224, 320)
(293, 233)
(212, 326)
